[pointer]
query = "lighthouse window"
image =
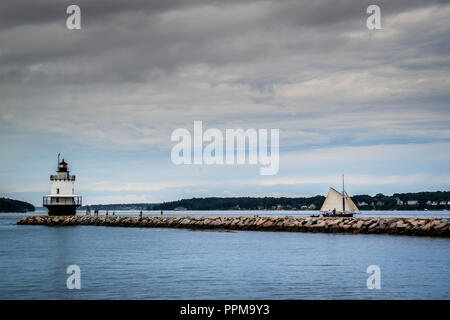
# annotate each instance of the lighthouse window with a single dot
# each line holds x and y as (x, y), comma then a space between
(73, 191)
(57, 191)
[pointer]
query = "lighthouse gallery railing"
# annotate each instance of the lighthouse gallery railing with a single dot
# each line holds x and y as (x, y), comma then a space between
(55, 177)
(55, 201)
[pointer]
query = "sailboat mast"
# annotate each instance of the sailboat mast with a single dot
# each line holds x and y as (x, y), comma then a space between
(343, 195)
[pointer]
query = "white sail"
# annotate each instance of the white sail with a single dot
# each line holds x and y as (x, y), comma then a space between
(334, 201)
(350, 205)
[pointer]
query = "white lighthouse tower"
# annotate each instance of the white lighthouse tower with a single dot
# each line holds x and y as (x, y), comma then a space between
(62, 201)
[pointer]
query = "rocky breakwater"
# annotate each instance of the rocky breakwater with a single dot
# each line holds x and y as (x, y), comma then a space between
(402, 226)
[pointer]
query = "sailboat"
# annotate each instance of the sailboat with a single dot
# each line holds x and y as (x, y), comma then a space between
(338, 204)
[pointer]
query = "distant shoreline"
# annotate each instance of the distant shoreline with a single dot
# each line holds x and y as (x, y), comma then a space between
(16, 206)
(432, 201)
(260, 210)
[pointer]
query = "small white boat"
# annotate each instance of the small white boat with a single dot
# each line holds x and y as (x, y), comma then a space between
(338, 204)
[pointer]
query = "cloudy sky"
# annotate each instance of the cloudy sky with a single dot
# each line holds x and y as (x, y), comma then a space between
(373, 104)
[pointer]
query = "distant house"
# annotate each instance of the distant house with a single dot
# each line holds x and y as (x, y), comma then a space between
(434, 203)
(443, 203)
(380, 203)
(312, 206)
(413, 202)
(304, 207)
(399, 201)
(429, 203)
(362, 204)
(260, 207)
(448, 203)
(279, 207)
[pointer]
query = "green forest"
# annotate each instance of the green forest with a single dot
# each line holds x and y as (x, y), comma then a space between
(9, 205)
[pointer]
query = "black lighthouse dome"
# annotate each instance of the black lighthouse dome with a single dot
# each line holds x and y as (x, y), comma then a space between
(62, 166)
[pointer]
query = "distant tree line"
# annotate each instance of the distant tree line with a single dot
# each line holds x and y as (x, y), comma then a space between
(435, 200)
(10, 205)
(242, 203)
(398, 201)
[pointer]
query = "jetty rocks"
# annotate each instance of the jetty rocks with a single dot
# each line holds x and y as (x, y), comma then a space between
(401, 226)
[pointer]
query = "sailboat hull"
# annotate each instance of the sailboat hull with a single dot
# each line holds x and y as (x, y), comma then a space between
(337, 215)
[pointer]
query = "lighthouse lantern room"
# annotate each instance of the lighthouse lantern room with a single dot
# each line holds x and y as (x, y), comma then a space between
(62, 201)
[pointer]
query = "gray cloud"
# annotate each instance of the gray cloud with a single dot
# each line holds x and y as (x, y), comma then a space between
(139, 69)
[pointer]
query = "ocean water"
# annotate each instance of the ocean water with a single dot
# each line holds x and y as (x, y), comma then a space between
(141, 263)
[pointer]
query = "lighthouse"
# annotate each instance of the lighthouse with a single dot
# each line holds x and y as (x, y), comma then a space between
(62, 201)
